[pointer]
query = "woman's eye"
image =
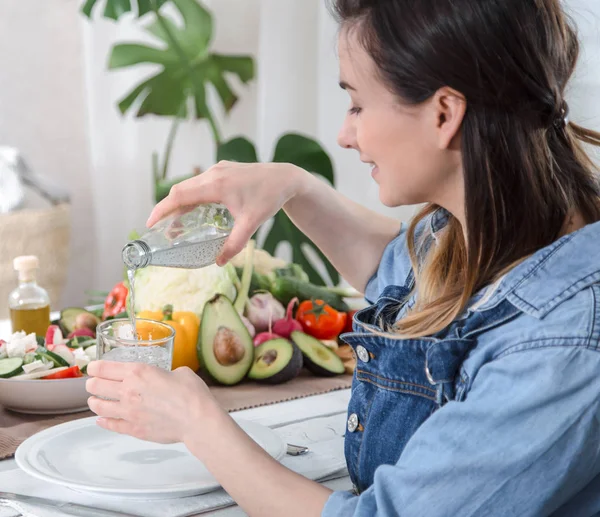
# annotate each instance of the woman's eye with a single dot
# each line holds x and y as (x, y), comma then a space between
(354, 110)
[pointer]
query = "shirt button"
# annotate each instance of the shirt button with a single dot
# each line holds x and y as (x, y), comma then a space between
(362, 353)
(353, 423)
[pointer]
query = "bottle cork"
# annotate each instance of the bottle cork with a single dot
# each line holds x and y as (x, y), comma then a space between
(26, 266)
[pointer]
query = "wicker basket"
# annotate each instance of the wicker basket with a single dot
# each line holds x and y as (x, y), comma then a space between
(43, 232)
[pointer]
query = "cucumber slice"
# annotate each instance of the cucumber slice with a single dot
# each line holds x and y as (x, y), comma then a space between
(81, 342)
(10, 367)
(51, 356)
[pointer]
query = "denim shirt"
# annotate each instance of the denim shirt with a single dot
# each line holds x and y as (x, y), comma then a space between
(497, 415)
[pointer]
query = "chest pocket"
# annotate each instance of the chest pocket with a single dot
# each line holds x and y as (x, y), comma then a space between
(399, 383)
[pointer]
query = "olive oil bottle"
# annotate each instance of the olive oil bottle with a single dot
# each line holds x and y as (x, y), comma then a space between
(29, 303)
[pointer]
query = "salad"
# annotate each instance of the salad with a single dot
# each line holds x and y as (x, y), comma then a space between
(27, 356)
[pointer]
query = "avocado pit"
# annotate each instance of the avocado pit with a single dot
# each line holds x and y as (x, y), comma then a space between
(228, 347)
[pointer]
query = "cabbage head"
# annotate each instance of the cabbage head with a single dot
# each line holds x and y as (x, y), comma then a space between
(185, 289)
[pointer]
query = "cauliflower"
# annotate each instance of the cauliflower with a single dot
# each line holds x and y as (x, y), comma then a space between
(185, 289)
(264, 263)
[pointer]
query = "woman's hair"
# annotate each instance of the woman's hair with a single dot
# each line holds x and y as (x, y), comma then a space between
(525, 169)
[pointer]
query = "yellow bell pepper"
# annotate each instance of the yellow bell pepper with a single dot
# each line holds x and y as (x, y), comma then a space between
(186, 326)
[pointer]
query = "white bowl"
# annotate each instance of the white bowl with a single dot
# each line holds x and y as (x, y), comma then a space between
(44, 397)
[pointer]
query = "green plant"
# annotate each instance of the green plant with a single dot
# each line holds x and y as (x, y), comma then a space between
(187, 67)
(113, 9)
(308, 154)
(178, 88)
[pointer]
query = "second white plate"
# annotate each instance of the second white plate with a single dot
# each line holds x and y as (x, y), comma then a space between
(82, 456)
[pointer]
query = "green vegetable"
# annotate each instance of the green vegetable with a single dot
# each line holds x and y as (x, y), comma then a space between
(30, 358)
(187, 290)
(292, 271)
(81, 342)
(51, 356)
(258, 282)
(10, 367)
(242, 296)
(285, 288)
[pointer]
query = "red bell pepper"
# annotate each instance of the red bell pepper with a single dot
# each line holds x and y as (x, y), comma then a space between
(116, 301)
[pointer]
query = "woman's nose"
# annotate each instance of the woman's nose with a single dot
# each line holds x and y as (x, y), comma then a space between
(347, 135)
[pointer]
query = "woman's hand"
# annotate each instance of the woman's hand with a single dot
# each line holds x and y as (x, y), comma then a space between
(147, 402)
(253, 193)
(172, 407)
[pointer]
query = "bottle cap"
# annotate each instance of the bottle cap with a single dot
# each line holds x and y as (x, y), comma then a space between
(26, 265)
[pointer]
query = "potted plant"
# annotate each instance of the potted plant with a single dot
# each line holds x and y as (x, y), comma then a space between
(178, 91)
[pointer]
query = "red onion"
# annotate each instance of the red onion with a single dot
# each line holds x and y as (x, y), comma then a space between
(287, 325)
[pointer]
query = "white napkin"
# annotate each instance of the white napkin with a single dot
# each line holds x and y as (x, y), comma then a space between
(324, 437)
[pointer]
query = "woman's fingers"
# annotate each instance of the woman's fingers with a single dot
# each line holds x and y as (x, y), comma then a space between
(239, 236)
(103, 388)
(188, 193)
(105, 408)
(111, 370)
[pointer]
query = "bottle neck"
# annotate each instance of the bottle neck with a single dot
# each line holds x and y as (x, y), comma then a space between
(136, 254)
(27, 278)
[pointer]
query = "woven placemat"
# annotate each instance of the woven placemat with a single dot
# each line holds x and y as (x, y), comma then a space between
(16, 427)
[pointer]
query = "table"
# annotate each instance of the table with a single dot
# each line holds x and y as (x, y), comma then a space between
(273, 415)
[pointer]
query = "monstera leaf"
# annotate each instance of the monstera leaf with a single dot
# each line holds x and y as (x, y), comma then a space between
(113, 9)
(308, 154)
(187, 66)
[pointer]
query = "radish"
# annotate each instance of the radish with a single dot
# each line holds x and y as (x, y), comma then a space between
(54, 337)
(65, 352)
(287, 325)
(259, 339)
(84, 332)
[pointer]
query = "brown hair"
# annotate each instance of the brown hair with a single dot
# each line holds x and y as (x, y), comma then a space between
(525, 169)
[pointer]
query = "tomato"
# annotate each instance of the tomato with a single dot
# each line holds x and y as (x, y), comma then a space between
(349, 317)
(320, 320)
(69, 373)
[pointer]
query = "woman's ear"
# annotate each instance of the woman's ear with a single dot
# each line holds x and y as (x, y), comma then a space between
(450, 107)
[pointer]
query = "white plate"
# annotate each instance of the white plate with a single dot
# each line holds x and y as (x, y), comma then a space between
(44, 397)
(82, 456)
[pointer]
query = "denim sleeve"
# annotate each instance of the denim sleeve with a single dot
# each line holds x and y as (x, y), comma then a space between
(523, 442)
(393, 268)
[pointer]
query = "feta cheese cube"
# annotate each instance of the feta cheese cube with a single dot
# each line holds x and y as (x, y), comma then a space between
(21, 343)
(35, 366)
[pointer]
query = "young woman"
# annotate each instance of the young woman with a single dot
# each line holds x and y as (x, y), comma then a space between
(477, 388)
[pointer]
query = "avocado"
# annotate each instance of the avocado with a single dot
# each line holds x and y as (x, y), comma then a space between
(225, 347)
(276, 361)
(69, 316)
(318, 359)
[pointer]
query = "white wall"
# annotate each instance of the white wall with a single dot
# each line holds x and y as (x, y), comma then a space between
(43, 112)
(57, 103)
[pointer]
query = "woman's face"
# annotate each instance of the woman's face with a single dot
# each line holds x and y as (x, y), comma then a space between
(414, 157)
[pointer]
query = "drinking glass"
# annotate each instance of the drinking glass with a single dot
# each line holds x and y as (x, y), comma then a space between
(154, 343)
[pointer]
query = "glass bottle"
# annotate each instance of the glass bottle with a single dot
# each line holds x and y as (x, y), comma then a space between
(191, 239)
(29, 303)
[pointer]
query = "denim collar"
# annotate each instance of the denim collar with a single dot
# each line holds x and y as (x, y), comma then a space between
(553, 274)
(547, 278)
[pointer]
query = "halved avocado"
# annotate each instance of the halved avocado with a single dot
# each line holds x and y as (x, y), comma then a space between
(225, 347)
(68, 317)
(276, 361)
(318, 359)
